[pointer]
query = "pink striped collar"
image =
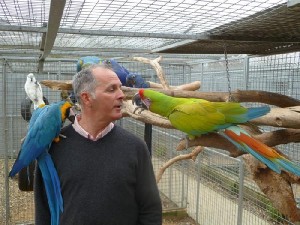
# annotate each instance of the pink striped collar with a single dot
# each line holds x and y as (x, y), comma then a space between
(85, 134)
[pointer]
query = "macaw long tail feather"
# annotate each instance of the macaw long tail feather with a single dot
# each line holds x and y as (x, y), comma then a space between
(52, 186)
(18, 165)
(55, 182)
(267, 155)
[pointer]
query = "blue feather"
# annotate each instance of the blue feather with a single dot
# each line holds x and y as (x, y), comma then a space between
(44, 126)
(136, 80)
(120, 70)
(51, 183)
(257, 112)
(289, 166)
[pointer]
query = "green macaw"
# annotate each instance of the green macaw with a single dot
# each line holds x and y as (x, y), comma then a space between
(196, 116)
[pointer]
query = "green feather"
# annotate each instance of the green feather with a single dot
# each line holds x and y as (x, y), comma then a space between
(197, 116)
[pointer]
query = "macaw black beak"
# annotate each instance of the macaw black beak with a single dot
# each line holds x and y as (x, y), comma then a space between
(71, 115)
(136, 100)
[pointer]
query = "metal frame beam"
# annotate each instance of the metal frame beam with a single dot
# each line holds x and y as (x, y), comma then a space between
(72, 49)
(100, 32)
(55, 15)
(188, 37)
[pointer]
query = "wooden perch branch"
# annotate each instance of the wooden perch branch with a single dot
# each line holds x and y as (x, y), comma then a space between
(182, 91)
(144, 116)
(277, 187)
(67, 85)
(238, 96)
(193, 155)
(281, 117)
(58, 84)
(159, 71)
(215, 140)
(193, 86)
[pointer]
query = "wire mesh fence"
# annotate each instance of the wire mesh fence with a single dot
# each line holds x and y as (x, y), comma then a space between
(215, 189)
(17, 206)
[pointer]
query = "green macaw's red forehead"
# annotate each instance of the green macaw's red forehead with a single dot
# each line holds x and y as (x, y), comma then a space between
(141, 93)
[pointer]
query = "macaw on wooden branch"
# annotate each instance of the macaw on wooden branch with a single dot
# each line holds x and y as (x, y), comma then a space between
(196, 117)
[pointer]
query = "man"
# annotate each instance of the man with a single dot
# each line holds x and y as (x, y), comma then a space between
(105, 172)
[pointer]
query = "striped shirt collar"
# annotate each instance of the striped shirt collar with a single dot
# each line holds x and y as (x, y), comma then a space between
(79, 129)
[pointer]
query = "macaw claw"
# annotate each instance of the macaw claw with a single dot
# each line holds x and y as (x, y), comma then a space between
(140, 108)
(63, 136)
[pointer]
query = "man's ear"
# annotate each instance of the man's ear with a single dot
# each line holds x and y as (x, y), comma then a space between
(86, 98)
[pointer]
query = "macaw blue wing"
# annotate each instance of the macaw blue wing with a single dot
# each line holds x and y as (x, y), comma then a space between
(44, 126)
(120, 70)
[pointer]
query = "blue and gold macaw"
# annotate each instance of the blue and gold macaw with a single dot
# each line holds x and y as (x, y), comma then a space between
(44, 128)
(86, 61)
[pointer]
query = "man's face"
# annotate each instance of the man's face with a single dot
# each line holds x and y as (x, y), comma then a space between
(108, 96)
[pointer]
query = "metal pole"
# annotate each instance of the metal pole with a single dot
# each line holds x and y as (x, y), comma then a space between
(241, 192)
(198, 191)
(7, 210)
(148, 136)
(246, 72)
(184, 164)
(148, 131)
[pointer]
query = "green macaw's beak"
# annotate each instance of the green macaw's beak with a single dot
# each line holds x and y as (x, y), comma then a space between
(136, 100)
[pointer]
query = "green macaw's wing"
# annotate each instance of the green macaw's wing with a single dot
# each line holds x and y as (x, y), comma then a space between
(200, 117)
(196, 118)
(233, 112)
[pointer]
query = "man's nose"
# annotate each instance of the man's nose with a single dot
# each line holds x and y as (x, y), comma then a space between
(121, 94)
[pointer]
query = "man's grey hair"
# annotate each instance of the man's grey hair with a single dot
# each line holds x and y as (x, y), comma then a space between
(84, 81)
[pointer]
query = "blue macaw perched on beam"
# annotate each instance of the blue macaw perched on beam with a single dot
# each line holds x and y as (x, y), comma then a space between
(121, 71)
(126, 77)
(135, 80)
(44, 127)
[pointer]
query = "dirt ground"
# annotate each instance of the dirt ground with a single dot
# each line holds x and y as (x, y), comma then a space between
(179, 221)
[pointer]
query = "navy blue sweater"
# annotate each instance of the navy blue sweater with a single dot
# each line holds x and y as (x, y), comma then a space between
(107, 182)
